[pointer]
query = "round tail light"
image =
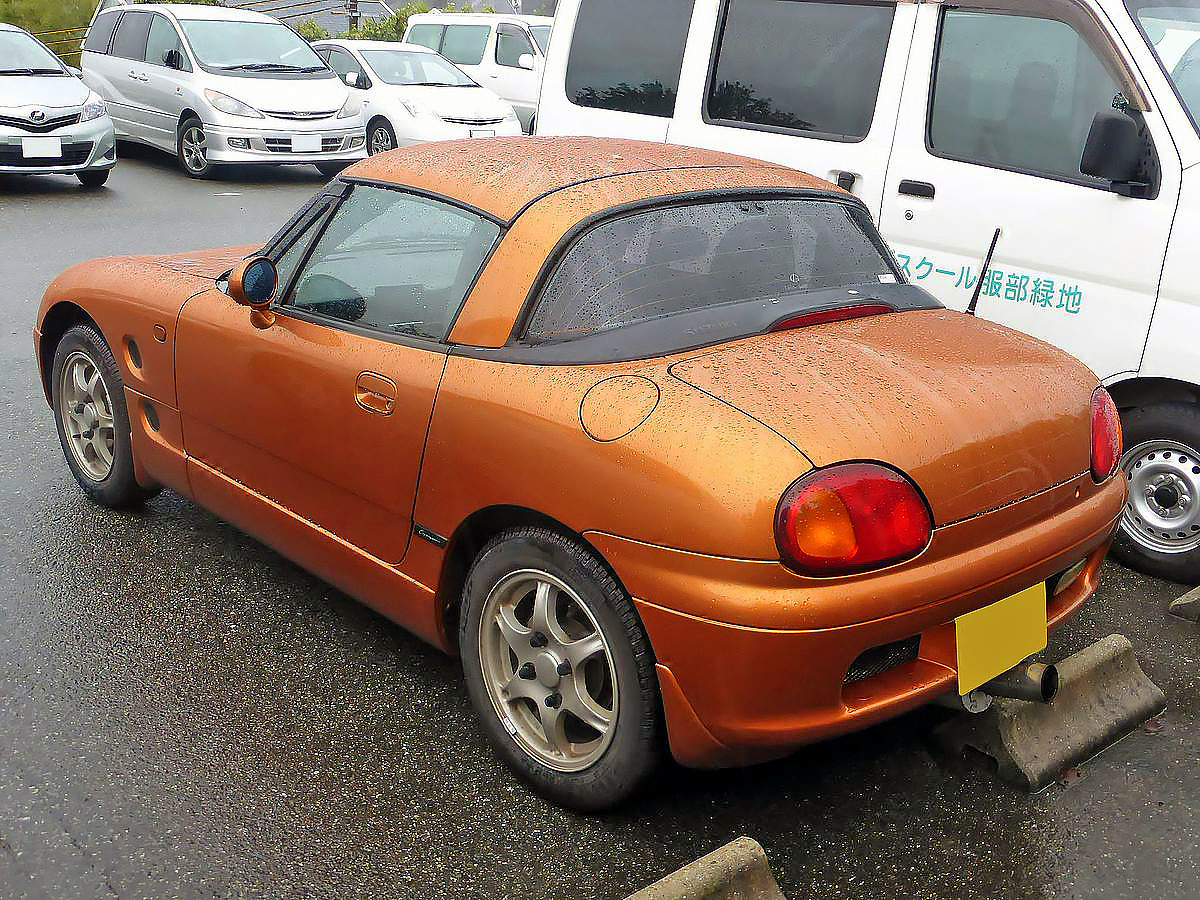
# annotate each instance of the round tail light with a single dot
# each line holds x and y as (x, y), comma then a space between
(850, 518)
(1106, 436)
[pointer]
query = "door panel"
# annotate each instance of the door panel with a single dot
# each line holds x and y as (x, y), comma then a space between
(160, 95)
(279, 411)
(810, 84)
(128, 73)
(1076, 264)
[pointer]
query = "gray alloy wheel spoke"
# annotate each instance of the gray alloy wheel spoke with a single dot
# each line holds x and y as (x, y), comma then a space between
(577, 652)
(545, 613)
(554, 726)
(514, 633)
(87, 416)
(577, 701)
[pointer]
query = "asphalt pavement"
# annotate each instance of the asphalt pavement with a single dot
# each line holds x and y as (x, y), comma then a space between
(185, 713)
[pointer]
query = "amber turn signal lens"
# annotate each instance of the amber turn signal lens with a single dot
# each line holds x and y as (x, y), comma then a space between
(850, 518)
(1106, 435)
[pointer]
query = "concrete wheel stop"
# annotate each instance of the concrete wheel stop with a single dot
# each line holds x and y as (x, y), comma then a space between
(737, 871)
(1103, 696)
(1187, 606)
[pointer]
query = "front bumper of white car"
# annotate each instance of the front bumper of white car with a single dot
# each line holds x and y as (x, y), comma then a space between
(410, 131)
(80, 146)
(239, 144)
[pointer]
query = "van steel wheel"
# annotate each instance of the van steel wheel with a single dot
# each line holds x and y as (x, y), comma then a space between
(93, 423)
(559, 669)
(1160, 527)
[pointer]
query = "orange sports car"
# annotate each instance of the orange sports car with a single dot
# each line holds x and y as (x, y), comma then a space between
(659, 440)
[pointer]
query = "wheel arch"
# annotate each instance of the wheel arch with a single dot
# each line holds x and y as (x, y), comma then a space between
(472, 534)
(188, 113)
(1135, 391)
(59, 319)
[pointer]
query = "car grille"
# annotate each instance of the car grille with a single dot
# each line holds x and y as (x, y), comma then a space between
(472, 121)
(284, 145)
(298, 116)
(878, 660)
(73, 155)
(41, 127)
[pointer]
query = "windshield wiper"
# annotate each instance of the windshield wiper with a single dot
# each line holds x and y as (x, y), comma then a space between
(28, 71)
(433, 84)
(266, 67)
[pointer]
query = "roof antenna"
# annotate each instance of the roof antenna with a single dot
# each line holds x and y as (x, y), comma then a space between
(987, 262)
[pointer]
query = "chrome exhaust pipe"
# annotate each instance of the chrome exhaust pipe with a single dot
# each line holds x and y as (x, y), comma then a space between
(1034, 682)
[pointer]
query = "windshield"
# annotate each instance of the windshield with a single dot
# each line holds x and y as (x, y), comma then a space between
(22, 55)
(541, 34)
(415, 68)
(250, 47)
(1174, 34)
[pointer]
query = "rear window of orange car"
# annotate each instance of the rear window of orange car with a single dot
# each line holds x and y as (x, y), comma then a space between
(724, 269)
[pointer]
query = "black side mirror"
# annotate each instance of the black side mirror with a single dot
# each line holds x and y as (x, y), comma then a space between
(172, 59)
(1112, 151)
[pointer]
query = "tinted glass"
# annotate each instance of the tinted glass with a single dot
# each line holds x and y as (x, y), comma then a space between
(130, 39)
(19, 51)
(100, 33)
(759, 78)
(1173, 31)
(395, 262)
(414, 67)
(464, 44)
(511, 43)
(342, 62)
(426, 35)
(541, 34)
(670, 262)
(163, 37)
(236, 45)
(626, 55)
(1016, 92)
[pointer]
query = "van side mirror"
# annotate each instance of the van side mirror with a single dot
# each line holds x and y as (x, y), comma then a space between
(525, 61)
(252, 283)
(1112, 151)
(173, 59)
(357, 80)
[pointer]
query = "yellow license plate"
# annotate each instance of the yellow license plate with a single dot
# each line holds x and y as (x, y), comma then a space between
(992, 640)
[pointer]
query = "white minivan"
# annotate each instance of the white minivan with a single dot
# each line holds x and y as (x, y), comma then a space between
(218, 85)
(1069, 125)
(504, 53)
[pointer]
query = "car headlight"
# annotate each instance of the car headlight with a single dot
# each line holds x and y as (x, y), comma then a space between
(352, 107)
(93, 108)
(511, 115)
(418, 111)
(227, 104)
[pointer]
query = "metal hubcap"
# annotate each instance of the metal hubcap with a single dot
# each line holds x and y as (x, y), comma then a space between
(87, 416)
(548, 670)
(1163, 512)
(381, 140)
(195, 149)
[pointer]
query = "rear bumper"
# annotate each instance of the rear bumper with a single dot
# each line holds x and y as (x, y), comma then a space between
(87, 145)
(738, 692)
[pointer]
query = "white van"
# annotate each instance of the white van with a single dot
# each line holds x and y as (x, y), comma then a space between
(1070, 125)
(215, 85)
(504, 53)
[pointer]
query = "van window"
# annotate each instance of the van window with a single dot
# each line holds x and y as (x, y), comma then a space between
(163, 37)
(1173, 31)
(1016, 92)
(426, 35)
(130, 39)
(464, 44)
(511, 44)
(101, 33)
(800, 66)
(626, 55)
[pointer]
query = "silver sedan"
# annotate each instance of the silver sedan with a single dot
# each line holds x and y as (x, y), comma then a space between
(50, 121)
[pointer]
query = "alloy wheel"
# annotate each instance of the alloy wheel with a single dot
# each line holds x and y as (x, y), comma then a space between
(1163, 512)
(195, 149)
(548, 670)
(381, 140)
(87, 416)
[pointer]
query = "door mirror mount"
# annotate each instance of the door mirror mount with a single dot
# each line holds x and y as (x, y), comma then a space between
(525, 61)
(1113, 151)
(253, 283)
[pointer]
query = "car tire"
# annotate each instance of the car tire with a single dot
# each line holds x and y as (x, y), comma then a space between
(597, 759)
(93, 422)
(381, 137)
(92, 178)
(1162, 457)
(191, 148)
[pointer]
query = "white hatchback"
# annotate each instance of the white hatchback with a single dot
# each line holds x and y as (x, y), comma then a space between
(411, 95)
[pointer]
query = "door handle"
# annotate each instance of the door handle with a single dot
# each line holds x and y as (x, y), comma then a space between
(375, 393)
(917, 189)
(845, 180)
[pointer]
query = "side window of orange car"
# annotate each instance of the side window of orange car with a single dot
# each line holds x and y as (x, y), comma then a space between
(393, 262)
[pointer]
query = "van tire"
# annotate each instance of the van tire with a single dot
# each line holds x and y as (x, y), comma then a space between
(191, 148)
(1161, 440)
